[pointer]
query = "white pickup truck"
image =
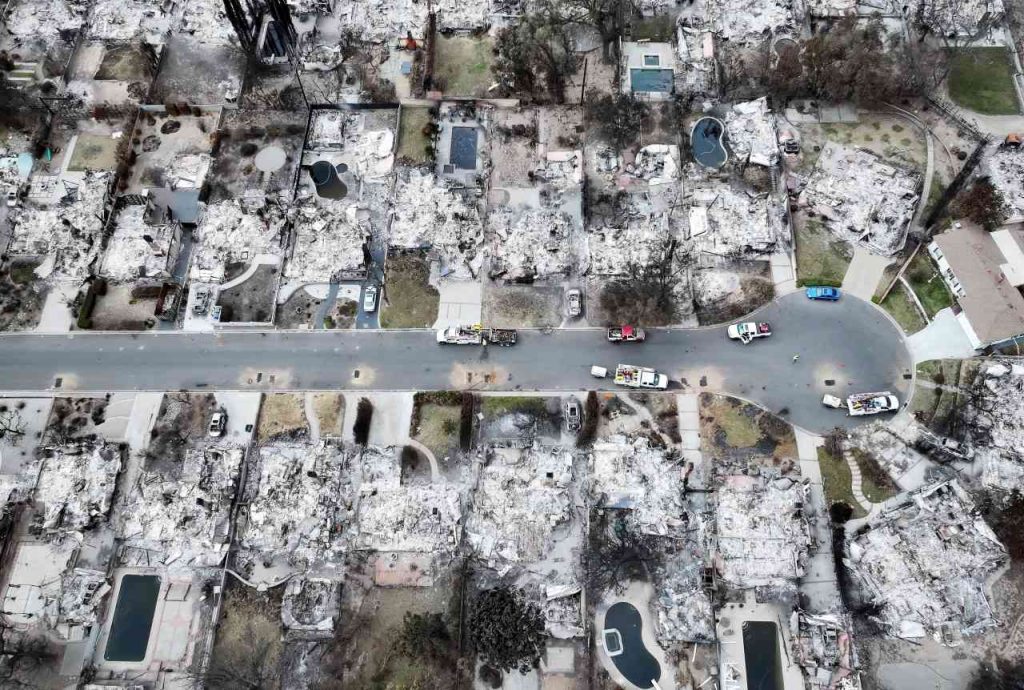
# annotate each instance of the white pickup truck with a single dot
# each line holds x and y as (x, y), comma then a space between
(745, 332)
(640, 377)
(861, 404)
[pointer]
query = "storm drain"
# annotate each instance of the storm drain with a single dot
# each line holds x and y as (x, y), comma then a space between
(355, 373)
(58, 383)
(830, 382)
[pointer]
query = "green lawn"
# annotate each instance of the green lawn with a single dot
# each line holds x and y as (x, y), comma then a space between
(875, 483)
(981, 79)
(821, 258)
(462, 65)
(412, 142)
(943, 371)
(929, 286)
(496, 405)
(410, 301)
(837, 482)
(902, 308)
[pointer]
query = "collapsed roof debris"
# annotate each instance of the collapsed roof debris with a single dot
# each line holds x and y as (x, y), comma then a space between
(392, 517)
(1005, 169)
(47, 19)
(66, 233)
(207, 21)
(561, 170)
(369, 146)
(762, 534)
(632, 474)
(750, 128)
(234, 232)
(862, 199)
(431, 214)
(534, 243)
(521, 498)
(994, 423)
(925, 563)
(311, 606)
(329, 242)
(116, 20)
(823, 648)
(727, 222)
(696, 51)
(655, 164)
(302, 498)
(647, 481)
(376, 21)
(563, 617)
(137, 249)
(187, 517)
(75, 485)
(641, 242)
(742, 20)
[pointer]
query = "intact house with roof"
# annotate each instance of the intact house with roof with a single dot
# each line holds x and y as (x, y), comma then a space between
(985, 271)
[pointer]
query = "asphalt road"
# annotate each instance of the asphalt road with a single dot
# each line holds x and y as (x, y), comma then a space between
(849, 342)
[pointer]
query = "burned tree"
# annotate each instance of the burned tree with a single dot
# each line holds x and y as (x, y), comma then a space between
(535, 54)
(507, 630)
(981, 203)
(618, 117)
(646, 293)
(12, 426)
(21, 657)
(364, 415)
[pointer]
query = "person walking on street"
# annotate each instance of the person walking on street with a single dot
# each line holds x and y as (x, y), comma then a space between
(795, 358)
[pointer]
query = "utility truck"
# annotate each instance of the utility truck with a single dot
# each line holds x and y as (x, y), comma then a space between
(626, 334)
(640, 377)
(476, 335)
(861, 404)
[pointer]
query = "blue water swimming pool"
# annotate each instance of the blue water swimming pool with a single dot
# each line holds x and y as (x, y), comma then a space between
(133, 618)
(463, 151)
(626, 648)
(651, 80)
(706, 142)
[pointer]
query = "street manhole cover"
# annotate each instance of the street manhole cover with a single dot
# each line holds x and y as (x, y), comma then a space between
(830, 382)
(355, 373)
(58, 383)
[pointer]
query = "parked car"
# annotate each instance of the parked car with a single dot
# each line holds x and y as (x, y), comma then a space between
(12, 197)
(746, 332)
(572, 414)
(201, 300)
(829, 294)
(218, 423)
(574, 303)
(832, 401)
(370, 299)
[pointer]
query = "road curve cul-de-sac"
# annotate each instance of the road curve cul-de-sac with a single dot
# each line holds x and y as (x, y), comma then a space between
(843, 347)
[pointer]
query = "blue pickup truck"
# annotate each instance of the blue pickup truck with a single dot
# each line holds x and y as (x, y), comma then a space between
(829, 294)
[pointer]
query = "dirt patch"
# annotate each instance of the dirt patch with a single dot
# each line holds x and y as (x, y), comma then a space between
(513, 147)
(821, 257)
(118, 310)
(522, 306)
(738, 434)
(664, 415)
(241, 137)
(251, 301)
(21, 295)
(94, 152)
(329, 409)
(282, 415)
(409, 299)
(75, 418)
(298, 310)
(249, 638)
(413, 141)
(183, 417)
(462, 65)
(125, 63)
(755, 289)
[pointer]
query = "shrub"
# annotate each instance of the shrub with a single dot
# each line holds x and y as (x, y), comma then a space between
(364, 415)
(508, 631)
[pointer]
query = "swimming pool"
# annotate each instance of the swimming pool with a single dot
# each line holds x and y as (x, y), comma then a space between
(463, 151)
(706, 142)
(624, 643)
(133, 618)
(761, 654)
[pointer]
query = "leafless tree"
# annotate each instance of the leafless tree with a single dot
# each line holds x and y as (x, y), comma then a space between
(21, 657)
(12, 426)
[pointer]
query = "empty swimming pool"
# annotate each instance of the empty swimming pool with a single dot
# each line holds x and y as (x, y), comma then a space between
(761, 654)
(133, 618)
(706, 142)
(625, 645)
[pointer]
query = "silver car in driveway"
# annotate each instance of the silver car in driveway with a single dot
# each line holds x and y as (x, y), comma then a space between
(370, 299)
(574, 303)
(572, 413)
